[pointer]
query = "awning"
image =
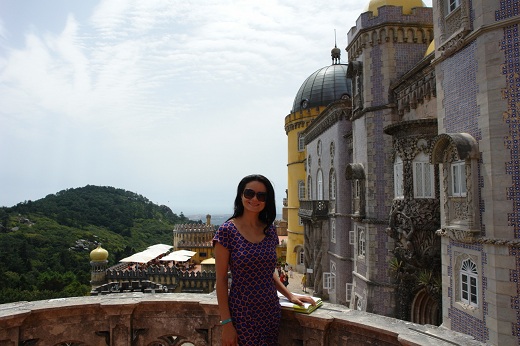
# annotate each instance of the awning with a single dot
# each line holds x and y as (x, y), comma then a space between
(163, 247)
(146, 255)
(185, 252)
(175, 257)
(208, 261)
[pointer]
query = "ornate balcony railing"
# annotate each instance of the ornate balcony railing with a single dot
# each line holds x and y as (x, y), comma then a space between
(143, 319)
(315, 209)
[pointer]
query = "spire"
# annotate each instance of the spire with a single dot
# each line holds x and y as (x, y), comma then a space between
(335, 53)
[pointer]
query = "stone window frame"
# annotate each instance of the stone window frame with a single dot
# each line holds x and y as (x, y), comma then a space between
(469, 283)
(301, 190)
(355, 172)
(320, 185)
(454, 26)
(361, 241)
(359, 303)
(398, 177)
(423, 159)
(452, 5)
(309, 188)
(333, 230)
(355, 73)
(333, 185)
(457, 300)
(461, 221)
(457, 180)
(301, 142)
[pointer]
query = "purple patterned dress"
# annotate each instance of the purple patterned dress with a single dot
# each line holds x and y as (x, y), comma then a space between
(253, 300)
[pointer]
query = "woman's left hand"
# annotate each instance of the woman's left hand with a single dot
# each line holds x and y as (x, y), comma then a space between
(301, 299)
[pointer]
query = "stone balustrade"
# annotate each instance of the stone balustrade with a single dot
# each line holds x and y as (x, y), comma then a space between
(192, 319)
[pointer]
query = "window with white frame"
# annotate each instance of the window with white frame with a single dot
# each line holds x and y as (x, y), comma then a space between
(301, 142)
(452, 5)
(352, 238)
(361, 241)
(309, 188)
(348, 293)
(333, 230)
(458, 179)
(398, 177)
(319, 185)
(423, 177)
(329, 281)
(301, 256)
(301, 190)
(357, 188)
(359, 303)
(332, 188)
(469, 283)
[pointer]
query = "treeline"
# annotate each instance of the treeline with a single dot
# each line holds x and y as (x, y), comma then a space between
(45, 244)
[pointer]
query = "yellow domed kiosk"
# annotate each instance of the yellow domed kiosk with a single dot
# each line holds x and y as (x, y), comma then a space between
(407, 5)
(98, 266)
(98, 254)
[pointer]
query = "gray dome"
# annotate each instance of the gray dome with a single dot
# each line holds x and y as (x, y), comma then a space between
(323, 87)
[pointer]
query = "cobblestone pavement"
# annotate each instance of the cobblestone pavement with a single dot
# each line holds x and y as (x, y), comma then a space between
(295, 284)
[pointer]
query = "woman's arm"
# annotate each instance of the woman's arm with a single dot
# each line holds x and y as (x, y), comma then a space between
(229, 335)
(292, 298)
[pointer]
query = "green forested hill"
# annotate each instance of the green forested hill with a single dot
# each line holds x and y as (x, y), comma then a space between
(45, 244)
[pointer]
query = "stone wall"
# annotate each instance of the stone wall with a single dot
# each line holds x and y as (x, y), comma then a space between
(167, 319)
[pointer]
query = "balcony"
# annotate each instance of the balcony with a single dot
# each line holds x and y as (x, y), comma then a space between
(313, 210)
(192, 319)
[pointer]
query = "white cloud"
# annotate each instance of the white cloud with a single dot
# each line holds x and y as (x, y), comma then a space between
(175, 100)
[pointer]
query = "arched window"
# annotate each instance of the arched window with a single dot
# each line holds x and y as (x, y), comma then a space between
(301, 190)
(423, 177)
(398, 177)
(332, 187)
(309, 188)
(319, 185)
(469, 283)
(332, 230)
(458, 179)
(301, 142)
(361, 241)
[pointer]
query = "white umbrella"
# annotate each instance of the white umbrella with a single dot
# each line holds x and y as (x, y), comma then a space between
(175, 257)
(144, 256)
(185, 252)
(163, 247)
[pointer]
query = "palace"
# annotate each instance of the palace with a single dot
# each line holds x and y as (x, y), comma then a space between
(403, 167)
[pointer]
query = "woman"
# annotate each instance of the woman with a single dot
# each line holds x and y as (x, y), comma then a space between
(246, 244)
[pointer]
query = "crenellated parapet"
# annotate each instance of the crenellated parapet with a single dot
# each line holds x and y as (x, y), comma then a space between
(167, 279)
(390, 25)
(193, 227)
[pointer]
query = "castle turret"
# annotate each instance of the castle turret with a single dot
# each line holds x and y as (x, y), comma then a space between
(98, 266)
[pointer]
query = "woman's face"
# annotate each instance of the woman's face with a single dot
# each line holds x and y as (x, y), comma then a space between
(254, 204)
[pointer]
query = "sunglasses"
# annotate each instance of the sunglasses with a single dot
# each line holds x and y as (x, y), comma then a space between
(260, 196)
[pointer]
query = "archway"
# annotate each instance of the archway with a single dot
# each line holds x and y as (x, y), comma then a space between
(425, 310)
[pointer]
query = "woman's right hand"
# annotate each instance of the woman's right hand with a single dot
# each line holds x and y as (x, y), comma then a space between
(229, 335)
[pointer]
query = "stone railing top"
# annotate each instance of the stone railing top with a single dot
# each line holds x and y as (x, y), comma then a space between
(191, 313)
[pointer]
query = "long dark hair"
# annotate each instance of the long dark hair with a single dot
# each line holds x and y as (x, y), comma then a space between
(268, 214)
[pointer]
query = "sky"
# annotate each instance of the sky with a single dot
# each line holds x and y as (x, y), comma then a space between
(174, 100)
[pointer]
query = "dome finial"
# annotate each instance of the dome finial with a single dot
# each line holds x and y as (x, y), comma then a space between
(335, 53)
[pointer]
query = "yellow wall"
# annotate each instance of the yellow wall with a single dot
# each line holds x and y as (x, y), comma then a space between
(294, 124)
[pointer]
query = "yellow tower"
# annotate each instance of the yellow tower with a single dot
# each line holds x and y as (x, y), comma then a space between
(407, 5)
(98, 266)
(321, 88)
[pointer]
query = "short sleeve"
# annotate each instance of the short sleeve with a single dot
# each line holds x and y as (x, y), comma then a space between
(223, 235)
